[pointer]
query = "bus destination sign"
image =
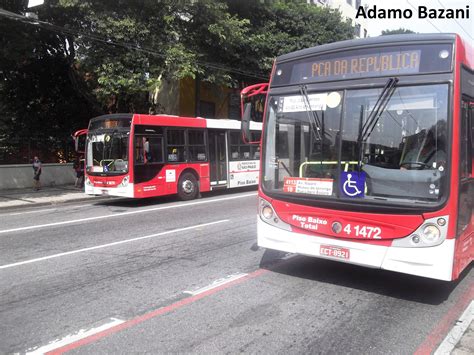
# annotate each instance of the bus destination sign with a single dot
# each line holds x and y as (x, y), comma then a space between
(365, 63)
(404, 62)
(378, 64)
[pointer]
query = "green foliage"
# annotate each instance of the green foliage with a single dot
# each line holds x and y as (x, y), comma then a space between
(278, 27)
(39, 96)
(397, 32)
(106, 56)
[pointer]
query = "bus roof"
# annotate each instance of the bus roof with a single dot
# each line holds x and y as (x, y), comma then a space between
(178, 121)
(198, 122)
(369, 42)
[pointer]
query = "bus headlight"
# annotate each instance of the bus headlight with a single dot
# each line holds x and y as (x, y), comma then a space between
(267, 212)
(124, 182)
(268, 215)
(431, 234)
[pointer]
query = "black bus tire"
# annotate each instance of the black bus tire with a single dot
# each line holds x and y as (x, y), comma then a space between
(188, 188)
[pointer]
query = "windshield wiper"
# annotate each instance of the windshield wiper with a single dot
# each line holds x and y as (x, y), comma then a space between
(314, 121)
(374, 115)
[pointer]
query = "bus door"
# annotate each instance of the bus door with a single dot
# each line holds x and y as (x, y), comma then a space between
(218, 157)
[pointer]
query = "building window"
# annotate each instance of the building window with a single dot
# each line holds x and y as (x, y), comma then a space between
(207, 109)
(357, 4)
(365, 33)
(349, 2)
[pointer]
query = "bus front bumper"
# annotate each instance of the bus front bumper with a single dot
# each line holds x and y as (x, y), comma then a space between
(432, 262)
(125, 191)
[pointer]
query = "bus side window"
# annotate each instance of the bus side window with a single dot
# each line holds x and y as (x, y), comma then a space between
(148, 149)
(139, 150)
(175, 149)
(466, 144)
(255, 152)
(155, 152)
(196, 145)
(239, 150)
(235, 146)
(471, 124)
(245, 151)
(255, 149)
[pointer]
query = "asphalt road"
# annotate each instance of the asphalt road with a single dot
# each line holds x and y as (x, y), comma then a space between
(162, 275)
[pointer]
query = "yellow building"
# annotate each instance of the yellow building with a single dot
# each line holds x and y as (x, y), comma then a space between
(186, 98)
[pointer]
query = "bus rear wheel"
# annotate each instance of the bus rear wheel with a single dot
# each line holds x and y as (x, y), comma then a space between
(187, 187)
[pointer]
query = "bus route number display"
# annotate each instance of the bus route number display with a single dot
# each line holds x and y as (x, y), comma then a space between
(403, 62)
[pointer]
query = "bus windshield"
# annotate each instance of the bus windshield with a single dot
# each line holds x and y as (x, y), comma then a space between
(107, 152)
(344, 144)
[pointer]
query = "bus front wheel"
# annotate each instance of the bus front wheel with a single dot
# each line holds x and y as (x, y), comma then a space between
(187, 187)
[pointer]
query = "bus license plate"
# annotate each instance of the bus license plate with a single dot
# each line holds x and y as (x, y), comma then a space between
(105, 192)
(328, 250)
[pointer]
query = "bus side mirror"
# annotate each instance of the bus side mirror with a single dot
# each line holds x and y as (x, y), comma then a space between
(252, 102)
(246, 118)
(79, 138)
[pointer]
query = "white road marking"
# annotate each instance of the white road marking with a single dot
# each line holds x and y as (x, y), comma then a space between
(110, 244)
(216, 283)
(125, 213)
(71, 338)
(454, 336)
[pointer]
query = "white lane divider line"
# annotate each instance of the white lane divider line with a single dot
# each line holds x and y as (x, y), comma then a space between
(71, 338)
(111, 244)
(121, 214)
(216, 283)
(454, 336)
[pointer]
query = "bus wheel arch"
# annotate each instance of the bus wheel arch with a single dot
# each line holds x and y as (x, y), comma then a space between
(188, 185)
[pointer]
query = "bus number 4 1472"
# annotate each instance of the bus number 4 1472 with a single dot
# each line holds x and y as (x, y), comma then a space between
(364, 231)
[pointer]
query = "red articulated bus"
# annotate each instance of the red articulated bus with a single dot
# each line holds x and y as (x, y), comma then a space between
(367, 154)
(135, 155)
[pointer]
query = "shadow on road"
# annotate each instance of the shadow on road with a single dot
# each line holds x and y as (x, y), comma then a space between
(387, 283)
(153, 201)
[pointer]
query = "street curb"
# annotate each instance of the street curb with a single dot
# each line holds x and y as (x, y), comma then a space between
(453, 338)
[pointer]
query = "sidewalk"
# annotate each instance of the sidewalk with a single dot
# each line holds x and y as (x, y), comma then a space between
(18, 198)
(466, 343)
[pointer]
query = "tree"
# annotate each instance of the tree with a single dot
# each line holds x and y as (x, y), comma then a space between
(106, 56)
(39, 103)
(279, 27)
(396, 32)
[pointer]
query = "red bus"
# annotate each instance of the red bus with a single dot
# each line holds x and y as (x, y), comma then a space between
(135, 155)
(367, 154)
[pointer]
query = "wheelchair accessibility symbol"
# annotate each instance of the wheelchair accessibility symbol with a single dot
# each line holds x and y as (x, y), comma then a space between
(352, 183)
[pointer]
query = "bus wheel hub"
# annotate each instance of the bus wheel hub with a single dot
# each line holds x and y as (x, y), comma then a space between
(188, 186)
